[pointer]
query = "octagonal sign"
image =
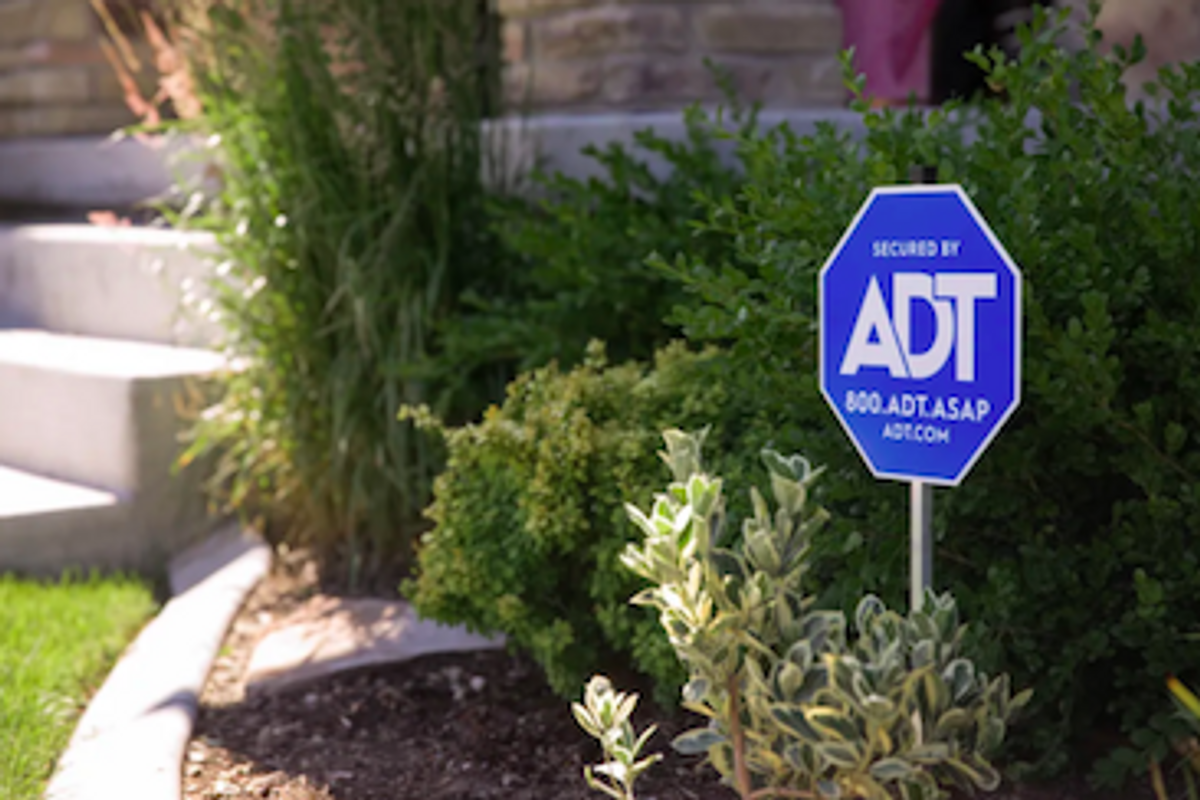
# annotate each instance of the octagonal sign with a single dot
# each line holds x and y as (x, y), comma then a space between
(920, 320)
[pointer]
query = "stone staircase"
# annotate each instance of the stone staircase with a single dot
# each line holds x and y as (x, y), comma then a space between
(97, 362)
(94, 352)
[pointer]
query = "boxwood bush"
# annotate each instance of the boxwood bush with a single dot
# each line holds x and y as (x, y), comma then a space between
(528, 517)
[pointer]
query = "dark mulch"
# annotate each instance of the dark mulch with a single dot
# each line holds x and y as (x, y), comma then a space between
(476, 726)
(470, 727)
(463, 727)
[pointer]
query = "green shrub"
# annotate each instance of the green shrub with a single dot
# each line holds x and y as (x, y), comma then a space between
(528, 519)
(1072, 541)
(581, 249)
(351, 215)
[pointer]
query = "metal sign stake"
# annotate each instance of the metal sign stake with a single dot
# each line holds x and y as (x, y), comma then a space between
(920, 512)
(921, 524)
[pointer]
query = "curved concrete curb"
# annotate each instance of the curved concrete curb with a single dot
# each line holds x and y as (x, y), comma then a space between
(131, 740)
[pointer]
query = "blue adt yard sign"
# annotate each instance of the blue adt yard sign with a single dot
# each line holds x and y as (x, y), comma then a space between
(920, 333)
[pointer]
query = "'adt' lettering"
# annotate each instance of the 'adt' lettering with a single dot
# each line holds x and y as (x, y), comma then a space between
(883, 339)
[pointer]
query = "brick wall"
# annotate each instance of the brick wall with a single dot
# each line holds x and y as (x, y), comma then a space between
(54, 79)
(596, 55)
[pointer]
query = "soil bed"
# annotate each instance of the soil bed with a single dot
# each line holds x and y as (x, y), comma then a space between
(471, 727)
(453, 727)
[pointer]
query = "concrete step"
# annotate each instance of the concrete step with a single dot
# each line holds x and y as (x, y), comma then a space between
(98, 412)
(115, 282)
(23, 494)
(94, 172)
(46, 524)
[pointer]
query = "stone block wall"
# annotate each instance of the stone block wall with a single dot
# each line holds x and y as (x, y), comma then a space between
(633, 55)
(54, 78)
(1170, 29)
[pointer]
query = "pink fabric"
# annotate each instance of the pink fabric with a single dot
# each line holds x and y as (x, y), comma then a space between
(891, 45)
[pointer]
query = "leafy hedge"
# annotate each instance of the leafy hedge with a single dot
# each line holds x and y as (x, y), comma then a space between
(580, 252)
(1071, 542)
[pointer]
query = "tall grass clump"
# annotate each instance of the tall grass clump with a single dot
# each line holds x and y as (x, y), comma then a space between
(350, 218)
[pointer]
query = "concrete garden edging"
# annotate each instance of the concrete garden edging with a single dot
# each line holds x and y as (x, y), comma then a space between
(131, 739)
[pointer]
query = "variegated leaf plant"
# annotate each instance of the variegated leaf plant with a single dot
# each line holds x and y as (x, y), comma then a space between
(798, 704)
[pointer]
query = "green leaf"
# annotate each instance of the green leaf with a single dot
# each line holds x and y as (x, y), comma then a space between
(818, 627)
(834, 724)
(697, 491)
(683, 453)
(815, 679)
(721, 757)
(646, 597)
(960, 676)
(625, 704)
(589, 777)
(789, 494)
(615, 770)
(953, 722)
(829, 789)
(695, 690)
(930, 753)
(843, 674)
(869, 609)
(787, 680)
(644, 738)
(762, 553)
(795, 467)
(914, 790)
(839, 754)
(585, 720)
(923, 654)
(763, 761)
(802, 757)
(801, 654)
(991, 735)
(935, 694)
(793, 720)
(878, 707)
(977, 771)
(889, 770)
(702, 709)
(697, 741)
(641, 520)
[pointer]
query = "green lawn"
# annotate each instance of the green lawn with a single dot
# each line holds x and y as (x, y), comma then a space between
(57, 642)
